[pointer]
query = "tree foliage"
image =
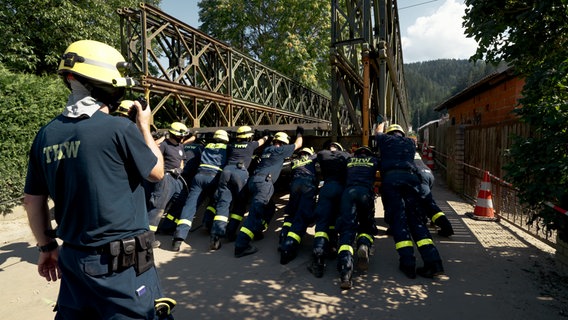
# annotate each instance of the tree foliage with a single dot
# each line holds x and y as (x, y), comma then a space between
(27, 102)
(429, 83)
(290, 36)
(532, 35)
(36, 32)
(35, 35)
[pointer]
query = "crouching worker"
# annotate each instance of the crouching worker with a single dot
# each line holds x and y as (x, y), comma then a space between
(356, 222)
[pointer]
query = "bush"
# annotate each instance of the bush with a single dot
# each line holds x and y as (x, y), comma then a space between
(27, 102)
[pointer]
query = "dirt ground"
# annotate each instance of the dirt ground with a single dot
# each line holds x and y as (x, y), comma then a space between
(495, 272)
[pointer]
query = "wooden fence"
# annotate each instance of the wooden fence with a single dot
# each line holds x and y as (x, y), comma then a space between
(462, 154)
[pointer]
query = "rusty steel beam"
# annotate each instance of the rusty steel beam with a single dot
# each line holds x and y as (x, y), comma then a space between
(194, 78)
(367, 63)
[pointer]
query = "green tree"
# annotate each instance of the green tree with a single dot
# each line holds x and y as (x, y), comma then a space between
(27, 102)
(290, 36)
(36, 32)
(532, 35)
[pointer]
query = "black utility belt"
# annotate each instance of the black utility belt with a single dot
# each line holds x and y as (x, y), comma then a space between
(124, 253)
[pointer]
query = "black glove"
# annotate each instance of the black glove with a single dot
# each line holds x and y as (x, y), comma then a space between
(266, 133)
(299, 131)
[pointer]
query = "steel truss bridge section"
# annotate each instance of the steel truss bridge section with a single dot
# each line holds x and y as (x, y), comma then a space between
(367, 64)
(192, 77)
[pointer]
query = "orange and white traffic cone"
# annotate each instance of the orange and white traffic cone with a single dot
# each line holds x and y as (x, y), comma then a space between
(430, 159)
(424, 150)
(484, 204)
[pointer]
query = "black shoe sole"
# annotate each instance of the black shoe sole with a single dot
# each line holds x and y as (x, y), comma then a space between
(248, 251)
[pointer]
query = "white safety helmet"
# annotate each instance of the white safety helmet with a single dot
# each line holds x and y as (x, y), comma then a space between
(282, 137)
(221, 135)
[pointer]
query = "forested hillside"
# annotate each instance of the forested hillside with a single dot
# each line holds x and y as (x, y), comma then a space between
(430, 83)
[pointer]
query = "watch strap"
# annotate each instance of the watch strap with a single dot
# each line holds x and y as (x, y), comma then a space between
(48, 247)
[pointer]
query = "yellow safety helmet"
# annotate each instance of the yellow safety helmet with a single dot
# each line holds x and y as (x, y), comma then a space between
(221, 135)
(307, 150)
(244, 132)
(124, 108)
(95, 61)
(395, 127)
(178, 129)
(282, 137)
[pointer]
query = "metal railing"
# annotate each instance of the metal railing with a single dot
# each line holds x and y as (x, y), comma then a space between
(504, 196)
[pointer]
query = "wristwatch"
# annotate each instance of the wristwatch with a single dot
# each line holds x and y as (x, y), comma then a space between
(48, 247)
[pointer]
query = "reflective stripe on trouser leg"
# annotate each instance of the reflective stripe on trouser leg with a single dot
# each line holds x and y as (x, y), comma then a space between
(172, 218)
(220, 218)
(345, 247)
(424, 242)
(246, 231)
(236, 217)
(403, 244)
(428, 250)
(295, 236)
(320, 241)
(345, 258)
(321, 234)
(182, 228)
(219, 225)
(154, 217)
(366, 239)
(436, 216)
(405, 251)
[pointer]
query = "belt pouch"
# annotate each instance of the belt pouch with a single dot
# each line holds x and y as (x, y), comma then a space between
(114, 251)
(128, 252)
(144, 252)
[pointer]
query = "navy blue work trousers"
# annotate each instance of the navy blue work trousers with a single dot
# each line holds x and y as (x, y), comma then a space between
(401, 196)
(261, 189)
(357, 214)
(89, 291)
(231, 193)
(300, 207)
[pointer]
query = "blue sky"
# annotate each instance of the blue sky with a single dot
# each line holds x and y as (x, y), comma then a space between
(430, 29)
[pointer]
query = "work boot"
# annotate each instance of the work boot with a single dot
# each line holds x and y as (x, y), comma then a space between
(446, 232)
(345, 268)
(288, 251)
(409, 271)
(345, 282)
(445, 226)
(317, 267)
(241, 252)
(156, 244)
(363, 257)
(282, 236)
(287, 255)
(176, 244)
(214, 243)
(431, 270)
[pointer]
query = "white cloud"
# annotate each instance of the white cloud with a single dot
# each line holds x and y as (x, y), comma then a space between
(438, 36)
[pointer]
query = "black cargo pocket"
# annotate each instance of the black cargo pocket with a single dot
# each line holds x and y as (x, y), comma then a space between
(144, 252)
